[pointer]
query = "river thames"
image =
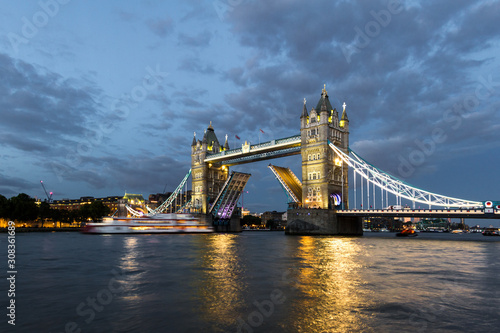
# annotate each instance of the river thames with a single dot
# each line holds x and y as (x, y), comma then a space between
(255, 282)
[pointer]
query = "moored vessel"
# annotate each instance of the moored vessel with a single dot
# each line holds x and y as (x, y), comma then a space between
(491, 231)
(407, 233)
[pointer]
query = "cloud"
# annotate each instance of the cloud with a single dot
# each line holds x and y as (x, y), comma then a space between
(11, 186)
(193, 64)
(40, 109)
(161, 27)
(200, 40)
(398, 87)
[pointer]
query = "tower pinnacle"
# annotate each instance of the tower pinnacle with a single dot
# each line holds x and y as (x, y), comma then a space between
(344, 114)
(304, 110)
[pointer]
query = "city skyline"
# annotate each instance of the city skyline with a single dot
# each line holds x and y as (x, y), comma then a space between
(103, 98)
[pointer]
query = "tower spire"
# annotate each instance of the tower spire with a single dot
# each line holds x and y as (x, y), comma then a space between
(204, 137)
(304, 110)
(194, 140)
(344, 113)
(324, 107)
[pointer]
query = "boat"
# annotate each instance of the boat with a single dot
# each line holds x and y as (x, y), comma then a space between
(491, 231)
(160, 223)
(407, 233)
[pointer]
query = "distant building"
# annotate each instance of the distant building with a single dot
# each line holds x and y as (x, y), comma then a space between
(157, 199)
(272, 216)
(75, 204)
(135, 201)
(114, 203)
(428, 224)
(377, 223)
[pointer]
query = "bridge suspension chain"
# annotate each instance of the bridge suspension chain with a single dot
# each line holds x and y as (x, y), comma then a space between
(398, 187)
(165, 205)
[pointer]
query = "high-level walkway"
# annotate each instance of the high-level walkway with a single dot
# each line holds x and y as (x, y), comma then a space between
(262, 151)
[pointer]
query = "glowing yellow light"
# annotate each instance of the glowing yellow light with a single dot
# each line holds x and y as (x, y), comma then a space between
(338, 161)
(342, 122)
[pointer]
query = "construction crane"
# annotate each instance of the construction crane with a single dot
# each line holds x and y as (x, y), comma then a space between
(49, 198)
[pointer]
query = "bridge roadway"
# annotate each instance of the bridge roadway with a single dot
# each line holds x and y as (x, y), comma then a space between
(289, 181)
(429, 213)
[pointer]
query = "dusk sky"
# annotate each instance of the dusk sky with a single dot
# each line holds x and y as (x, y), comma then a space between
(102, 97)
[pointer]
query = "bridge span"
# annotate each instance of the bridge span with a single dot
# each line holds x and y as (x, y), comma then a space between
(429, 213)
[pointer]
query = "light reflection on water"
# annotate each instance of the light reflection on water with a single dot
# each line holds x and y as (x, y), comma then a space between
(219, 291)
(219, 283)
(329, 279)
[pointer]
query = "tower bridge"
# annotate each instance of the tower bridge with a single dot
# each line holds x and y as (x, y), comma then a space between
(319, 202)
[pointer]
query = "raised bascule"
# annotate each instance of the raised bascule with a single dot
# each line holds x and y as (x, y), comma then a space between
(318, 204)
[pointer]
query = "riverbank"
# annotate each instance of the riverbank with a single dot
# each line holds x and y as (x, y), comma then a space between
(30, 229)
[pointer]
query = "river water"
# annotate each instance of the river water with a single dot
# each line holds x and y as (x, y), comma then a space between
(254, 282)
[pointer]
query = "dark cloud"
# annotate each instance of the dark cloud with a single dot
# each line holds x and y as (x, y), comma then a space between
(41, 110)
(161, 27)
(200, 40)
(193, 64)
(11, 186)
(398, 87)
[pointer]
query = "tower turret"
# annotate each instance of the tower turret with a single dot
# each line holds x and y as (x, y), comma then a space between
(194, 140)
(344, 124)
(204, 142)
(207, 178)
(304, 116)
(323, 113)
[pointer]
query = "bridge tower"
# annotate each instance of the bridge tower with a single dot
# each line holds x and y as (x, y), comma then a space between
(323, 174)
(207, 178)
